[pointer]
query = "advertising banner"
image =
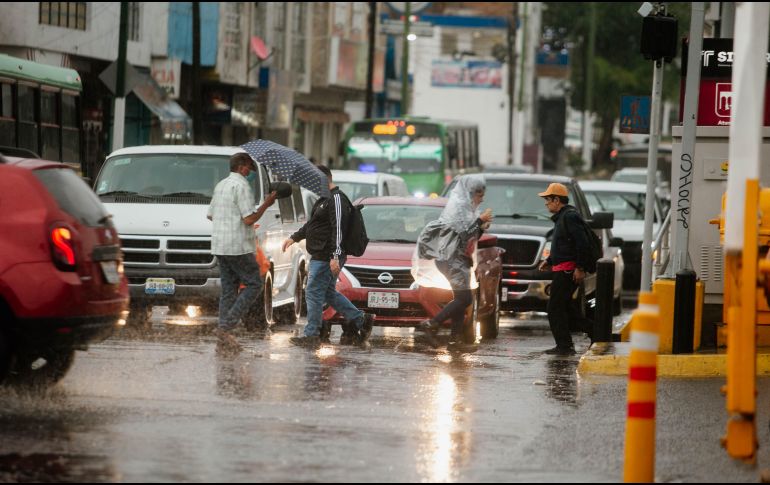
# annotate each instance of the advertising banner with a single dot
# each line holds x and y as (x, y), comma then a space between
(467, 74)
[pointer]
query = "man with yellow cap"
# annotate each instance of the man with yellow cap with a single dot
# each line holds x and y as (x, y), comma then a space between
(570, 253)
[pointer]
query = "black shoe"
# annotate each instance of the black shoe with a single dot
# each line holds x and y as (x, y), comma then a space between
(366, 329)
(429, 329)
(307, 342)
(560, 351)
(326, 332)
(349, 334)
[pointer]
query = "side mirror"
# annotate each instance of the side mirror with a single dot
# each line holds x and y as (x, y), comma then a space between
(616, 242)
(487, 241)
(282, 188)
(602, 220)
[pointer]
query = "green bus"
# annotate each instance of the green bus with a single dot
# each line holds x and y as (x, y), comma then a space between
(40, 111)
(425, 152)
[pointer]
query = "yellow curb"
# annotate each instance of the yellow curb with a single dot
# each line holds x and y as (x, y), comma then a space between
(611, 359)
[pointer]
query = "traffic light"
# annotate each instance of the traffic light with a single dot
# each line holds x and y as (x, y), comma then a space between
(659, 37)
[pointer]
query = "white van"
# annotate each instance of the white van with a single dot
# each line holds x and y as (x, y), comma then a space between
(361, 184)
(158, 197)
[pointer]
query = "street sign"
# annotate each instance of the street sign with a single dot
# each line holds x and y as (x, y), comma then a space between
(110, 75)
(635, 114)
(396, 27)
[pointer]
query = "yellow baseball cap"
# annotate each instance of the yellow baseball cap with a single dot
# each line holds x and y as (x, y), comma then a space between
(555, 189)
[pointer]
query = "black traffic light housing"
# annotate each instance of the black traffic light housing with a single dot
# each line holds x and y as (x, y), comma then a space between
(659, 37)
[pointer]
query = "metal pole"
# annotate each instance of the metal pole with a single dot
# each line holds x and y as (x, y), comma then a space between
(119, 123)
(196, 55)
(587, 152)
(405, 62)
(511, 76)
(518, 125)
(370, 66)
(727, 25)
(684, 172)
(652, 167)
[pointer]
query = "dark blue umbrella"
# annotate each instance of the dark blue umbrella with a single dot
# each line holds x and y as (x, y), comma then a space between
(288, 164)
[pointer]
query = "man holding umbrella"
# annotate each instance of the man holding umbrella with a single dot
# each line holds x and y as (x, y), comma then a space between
(324, 233)
(234, 243)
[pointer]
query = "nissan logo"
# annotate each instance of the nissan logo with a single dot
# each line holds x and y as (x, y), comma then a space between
(385, 278)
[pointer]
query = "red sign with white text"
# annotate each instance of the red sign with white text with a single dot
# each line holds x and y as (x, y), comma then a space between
(716, 101)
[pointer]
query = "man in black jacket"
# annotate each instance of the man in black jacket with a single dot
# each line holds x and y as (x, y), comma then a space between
(325, 232)
(570, 253)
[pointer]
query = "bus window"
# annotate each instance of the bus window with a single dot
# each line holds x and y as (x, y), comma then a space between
(7, 118)
(49, 123)
(27, 122)
(70, 132)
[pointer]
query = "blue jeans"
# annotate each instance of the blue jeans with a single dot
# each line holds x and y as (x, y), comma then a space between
(234, 270)
(322, 288)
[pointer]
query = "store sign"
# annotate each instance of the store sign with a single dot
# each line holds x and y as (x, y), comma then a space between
(168, 74)
(715, 100)
(467, 74)
(348, 64)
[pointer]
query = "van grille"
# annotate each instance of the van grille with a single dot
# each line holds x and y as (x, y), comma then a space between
(162, 252)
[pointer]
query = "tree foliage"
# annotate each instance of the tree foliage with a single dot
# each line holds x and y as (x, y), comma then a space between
(618, 66)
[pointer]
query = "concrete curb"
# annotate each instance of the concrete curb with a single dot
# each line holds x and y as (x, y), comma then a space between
(611, 359)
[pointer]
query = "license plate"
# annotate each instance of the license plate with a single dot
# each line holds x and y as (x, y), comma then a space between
(110, 271)
(379, 299)
(159, 286)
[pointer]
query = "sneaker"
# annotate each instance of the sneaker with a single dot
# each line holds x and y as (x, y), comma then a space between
(307, 342)
(560, 351)
(366, 328)
(227, 343)
(429, 329)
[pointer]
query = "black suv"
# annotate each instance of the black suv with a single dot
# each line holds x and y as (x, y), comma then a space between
(523, 227)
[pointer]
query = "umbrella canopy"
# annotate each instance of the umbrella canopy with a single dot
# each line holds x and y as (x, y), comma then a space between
(288, 164)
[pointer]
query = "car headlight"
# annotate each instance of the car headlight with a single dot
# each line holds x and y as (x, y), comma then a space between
(546, 251)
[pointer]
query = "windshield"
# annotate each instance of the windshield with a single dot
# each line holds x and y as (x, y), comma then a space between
(397, 223)
(354, 190)
(158, 175)
(515, 198)
(627, 206)
(400, 166)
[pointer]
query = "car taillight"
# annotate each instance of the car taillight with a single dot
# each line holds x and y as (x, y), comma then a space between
(63, 248)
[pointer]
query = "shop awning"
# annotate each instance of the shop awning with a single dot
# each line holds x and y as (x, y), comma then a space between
(174, 121)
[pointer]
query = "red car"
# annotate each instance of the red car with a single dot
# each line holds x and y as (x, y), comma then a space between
(61, 271)
(381, 281)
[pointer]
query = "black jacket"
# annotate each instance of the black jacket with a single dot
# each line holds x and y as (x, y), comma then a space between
(327, 226)
(572, 245)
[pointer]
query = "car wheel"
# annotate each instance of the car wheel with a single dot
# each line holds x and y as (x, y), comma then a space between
(469, 329)
(289, 314)
(490, 324)
(38, 370)
(303, 289)
(257, 317)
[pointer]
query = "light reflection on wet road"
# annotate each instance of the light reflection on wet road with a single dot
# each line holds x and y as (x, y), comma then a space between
(165, 407)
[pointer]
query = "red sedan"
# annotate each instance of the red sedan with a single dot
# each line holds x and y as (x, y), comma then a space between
(381, 281)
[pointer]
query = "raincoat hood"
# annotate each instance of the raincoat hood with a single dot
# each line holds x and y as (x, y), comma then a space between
(460, 212)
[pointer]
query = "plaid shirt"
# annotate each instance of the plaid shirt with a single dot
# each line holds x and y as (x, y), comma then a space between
(232, 201)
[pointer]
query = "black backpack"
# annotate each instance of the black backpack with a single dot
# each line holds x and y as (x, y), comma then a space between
(594, 243)
(355, 241)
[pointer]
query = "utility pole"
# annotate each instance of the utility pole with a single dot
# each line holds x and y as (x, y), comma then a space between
(196, 54)
(405, 61)
(370, 66)
(587, 153)
(520, 115)
(511, 76)
(119, 123)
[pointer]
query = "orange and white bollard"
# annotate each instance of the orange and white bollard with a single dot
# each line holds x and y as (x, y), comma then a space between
(639, 462)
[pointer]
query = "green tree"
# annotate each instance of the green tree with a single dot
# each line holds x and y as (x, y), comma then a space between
(618, 66)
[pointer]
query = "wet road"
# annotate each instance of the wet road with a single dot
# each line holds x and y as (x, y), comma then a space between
(165, 407)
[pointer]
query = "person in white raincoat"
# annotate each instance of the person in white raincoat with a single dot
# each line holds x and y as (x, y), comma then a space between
(449, 246)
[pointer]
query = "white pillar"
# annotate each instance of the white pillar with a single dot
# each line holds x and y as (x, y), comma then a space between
(119, 126)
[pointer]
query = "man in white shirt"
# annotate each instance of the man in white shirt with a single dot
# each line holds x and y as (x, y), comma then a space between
(234, 243)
